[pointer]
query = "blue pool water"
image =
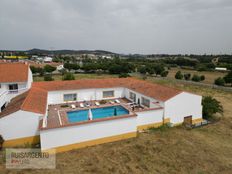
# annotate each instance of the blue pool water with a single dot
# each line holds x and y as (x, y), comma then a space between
(82, 115)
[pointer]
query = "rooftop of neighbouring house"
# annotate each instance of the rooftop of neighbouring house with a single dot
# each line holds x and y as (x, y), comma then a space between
(13, 72)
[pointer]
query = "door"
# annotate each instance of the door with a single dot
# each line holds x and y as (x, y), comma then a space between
(188, 120)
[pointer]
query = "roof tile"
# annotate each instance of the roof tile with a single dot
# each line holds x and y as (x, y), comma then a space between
(13, 72)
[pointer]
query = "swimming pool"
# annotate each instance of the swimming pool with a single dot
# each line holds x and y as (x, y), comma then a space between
(82, 115)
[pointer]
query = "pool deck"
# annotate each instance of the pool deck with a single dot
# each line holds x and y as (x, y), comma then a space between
(57, 114)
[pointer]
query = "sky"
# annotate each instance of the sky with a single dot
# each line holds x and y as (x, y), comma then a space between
(122, 26)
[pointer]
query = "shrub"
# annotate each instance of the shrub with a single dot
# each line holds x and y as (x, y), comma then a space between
(196, 78)
(179, 75)
(48, 77)
(187, 76)
(123, 75)
(219, 81)
(68, 76)
(202, 77)
(228, 77)
(210, 107)
(164, 74)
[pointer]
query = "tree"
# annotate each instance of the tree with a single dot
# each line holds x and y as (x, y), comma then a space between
(68, 76)
(158, 68)
(228, 77)
(196, 78)
(179, 75)
(142, 70)
(164, 74)
(187, 76)
(210, 107)
(49, 68)
(219, 81)
(48, 77)
(33, 69)
(71, 66)
(150, 70)
(90, 67)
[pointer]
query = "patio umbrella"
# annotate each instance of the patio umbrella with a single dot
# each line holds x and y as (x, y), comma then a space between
(115, 111)
(90, 115)
(139, 101)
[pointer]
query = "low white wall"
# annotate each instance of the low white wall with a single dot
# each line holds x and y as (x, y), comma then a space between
(183, 105)
(75, 134)
(19, 124)
(149, 117)
(56, 97)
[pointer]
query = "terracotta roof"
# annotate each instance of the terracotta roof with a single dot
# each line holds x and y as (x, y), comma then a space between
(34, 100)
(14, 105)
(13, 72)
(156, 91)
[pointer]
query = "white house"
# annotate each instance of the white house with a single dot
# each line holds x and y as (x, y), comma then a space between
(220, 69)
(47, 59)
(15, 78)
(48, 112)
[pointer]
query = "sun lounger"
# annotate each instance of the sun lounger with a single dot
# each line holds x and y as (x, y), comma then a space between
(117, 101)
(97, 103)
(73, 106)
(87, 104)
(111, 102)
(82, 105)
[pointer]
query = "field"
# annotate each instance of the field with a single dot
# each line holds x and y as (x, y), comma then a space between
(205, 150)
(77, 76)
(209, 76)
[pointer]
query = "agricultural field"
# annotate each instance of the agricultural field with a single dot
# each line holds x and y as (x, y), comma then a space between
(205, 150)
(210, 76)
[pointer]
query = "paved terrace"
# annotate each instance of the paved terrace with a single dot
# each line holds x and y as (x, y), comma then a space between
(57, 116)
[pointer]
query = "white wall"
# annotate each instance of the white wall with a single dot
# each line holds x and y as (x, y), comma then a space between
(56, 97)
(75, 134)
(182, 105)
(139, 95)
(19, 124)
(149, 117)
(5, 96)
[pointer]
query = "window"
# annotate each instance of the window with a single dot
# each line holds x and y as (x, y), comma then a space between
(107, 94)
(145, 102)
(13, 87)
(70, 97)
(132, 96)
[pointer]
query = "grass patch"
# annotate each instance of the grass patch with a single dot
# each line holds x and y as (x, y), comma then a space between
(162, 128)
